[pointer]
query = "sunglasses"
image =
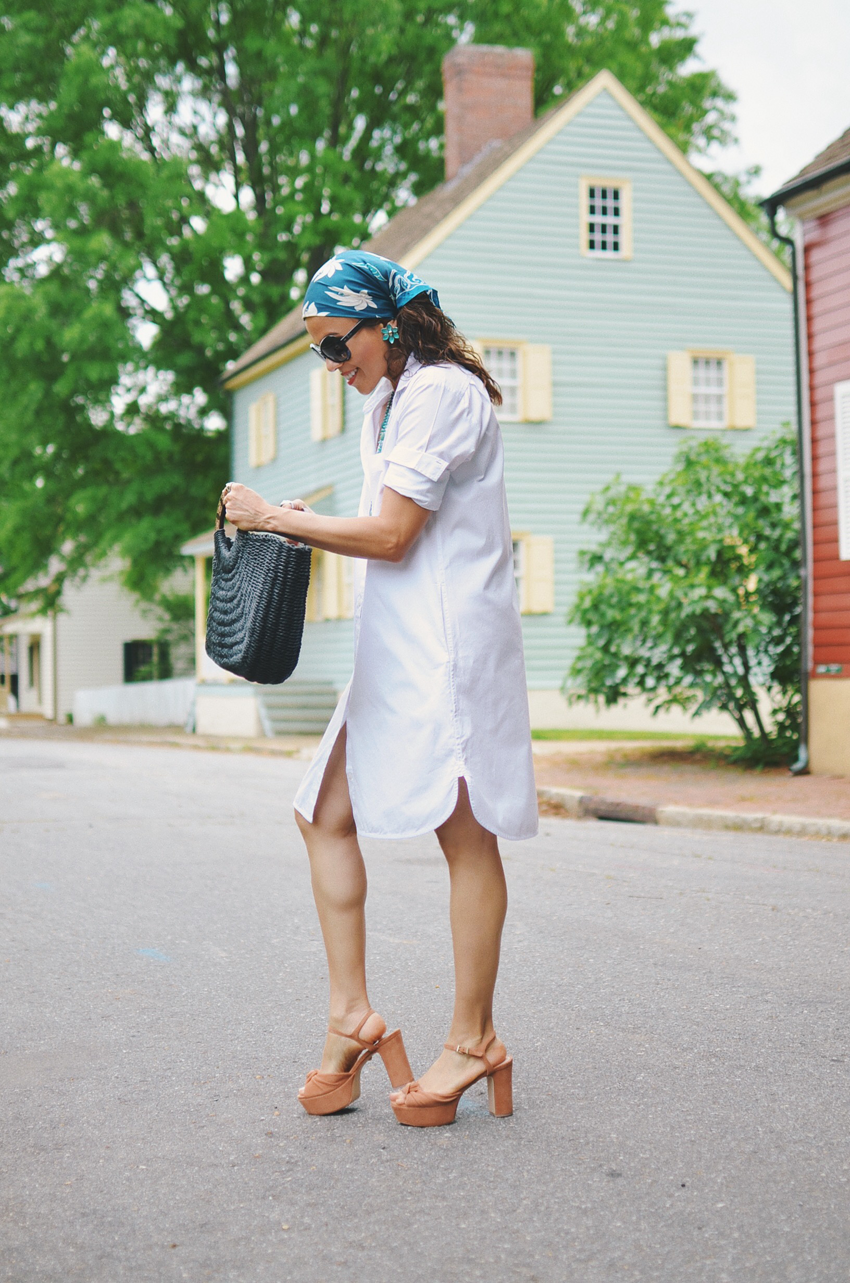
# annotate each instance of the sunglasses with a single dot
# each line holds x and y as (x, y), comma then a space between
(336, 349)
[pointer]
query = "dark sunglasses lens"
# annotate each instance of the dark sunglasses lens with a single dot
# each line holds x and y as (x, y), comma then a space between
(333, 349)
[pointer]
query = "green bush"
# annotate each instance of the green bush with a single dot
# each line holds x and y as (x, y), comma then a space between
(693, 599)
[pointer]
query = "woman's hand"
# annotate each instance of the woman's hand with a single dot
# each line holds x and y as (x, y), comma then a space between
(245, 509)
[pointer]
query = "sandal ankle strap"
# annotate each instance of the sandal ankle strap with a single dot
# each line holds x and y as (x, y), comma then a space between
(355, 1037)
(479, 1050)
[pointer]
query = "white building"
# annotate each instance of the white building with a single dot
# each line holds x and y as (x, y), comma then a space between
(100, 636)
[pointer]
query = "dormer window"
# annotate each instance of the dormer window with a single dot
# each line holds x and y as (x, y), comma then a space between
(605, 206)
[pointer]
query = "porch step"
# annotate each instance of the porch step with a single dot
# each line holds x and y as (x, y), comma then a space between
(297, 708)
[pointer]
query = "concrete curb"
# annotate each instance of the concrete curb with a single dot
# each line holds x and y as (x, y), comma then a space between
(584, 805)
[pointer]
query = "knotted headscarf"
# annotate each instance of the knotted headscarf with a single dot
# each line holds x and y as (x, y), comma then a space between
(355, 283)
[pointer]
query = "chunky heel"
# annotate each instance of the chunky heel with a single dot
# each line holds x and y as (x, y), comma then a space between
(415, 1107)
(329, 1093)
(394, 1056)
(500, 1094)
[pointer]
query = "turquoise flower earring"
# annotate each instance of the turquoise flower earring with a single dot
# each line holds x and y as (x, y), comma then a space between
(389, 332)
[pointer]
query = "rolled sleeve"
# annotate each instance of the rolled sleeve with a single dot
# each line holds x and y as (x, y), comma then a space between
(439, 428)
(418, 475)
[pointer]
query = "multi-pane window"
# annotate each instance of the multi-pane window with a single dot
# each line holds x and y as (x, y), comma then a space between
(708, 392)
(605, 216)
(146, 661)
(503, 362)
(711, 390)
(604, 219)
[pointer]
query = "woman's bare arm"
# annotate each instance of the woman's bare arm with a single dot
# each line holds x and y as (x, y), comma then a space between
(386, 537)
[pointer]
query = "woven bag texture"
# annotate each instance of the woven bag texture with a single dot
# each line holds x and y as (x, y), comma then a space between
(258, 596)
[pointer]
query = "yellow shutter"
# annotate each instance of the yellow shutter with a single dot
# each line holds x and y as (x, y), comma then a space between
(539, 578)
(536, 383)
(327, 399)
(741, 382)
(268, 427)
(335, 404)
(317, 404)
(254, 435)
(315, 594)
(346, 588)
(262, 430)
(332, 572)
(679, 399)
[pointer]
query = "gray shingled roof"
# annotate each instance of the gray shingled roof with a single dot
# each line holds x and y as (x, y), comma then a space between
(404, 231)
(833, 155)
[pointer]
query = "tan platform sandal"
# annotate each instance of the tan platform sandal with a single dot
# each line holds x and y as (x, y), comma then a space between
(417, 1108)
(328, 1093)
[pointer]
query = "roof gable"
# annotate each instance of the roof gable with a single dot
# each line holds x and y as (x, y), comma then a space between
(418, 230)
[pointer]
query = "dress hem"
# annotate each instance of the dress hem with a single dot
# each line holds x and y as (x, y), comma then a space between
(431, 828)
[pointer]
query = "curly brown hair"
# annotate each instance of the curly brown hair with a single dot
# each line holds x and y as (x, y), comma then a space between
(431, 336)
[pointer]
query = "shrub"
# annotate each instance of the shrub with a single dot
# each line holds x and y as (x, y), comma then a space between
(693, 599)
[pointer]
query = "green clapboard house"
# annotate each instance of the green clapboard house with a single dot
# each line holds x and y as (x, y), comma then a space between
(618, 299)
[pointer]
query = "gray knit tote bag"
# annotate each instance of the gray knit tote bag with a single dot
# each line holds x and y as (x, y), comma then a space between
(258, 597)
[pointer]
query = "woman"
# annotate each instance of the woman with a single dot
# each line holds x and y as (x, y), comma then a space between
(432, 732)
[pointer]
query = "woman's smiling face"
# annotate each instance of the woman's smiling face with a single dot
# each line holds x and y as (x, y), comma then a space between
(368, 362)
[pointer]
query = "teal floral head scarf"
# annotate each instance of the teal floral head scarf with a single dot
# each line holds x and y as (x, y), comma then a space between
(355, 283)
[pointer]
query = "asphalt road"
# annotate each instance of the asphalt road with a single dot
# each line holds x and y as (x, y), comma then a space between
(676, 1004)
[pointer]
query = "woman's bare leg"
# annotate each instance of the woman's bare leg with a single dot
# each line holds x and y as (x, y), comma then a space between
(478, 904)
(339, 889)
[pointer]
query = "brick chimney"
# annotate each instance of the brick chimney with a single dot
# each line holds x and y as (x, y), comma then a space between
(489, 97)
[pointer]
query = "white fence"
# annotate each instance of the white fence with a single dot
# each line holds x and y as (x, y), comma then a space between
(167, 703)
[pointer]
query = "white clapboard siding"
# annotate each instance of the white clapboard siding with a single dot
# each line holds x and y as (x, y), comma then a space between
(536, 383)
(679, 398)
(741, 379)
(842, 470)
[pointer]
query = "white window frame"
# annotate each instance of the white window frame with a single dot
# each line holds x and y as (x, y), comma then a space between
(533, 383)
(587, 182)
(699, 362)
(739, 390)
(491, 350)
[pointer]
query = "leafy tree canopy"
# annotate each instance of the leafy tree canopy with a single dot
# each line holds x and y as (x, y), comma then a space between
(693, 596)
(171, 172)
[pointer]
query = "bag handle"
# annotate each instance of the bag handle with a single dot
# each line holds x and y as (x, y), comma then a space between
(220, 518)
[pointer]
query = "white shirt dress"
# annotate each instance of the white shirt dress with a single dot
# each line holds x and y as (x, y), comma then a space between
(438, 691)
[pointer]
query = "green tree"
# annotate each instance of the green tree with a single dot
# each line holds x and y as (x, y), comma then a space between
(645, 44)
(693, 599)
(170, 173)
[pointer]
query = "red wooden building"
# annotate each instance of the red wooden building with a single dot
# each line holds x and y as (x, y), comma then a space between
(819, 197)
